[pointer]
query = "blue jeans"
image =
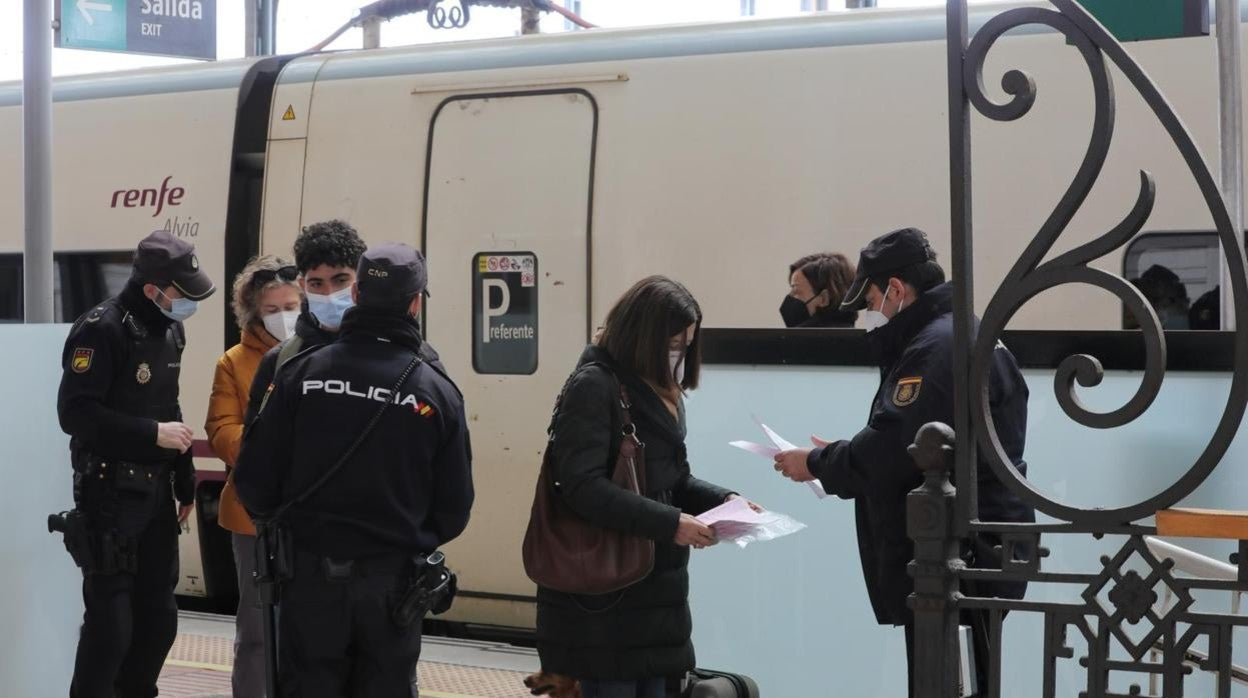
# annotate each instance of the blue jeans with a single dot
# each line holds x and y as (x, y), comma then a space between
(644, 688)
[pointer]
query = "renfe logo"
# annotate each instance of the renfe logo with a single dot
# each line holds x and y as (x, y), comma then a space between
(142, 198)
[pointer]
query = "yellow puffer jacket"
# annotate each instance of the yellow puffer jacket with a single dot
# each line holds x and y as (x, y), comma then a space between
(226, 408)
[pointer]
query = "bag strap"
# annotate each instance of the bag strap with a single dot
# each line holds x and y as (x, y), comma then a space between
(289, 349)
(626, 429)
(355, 445)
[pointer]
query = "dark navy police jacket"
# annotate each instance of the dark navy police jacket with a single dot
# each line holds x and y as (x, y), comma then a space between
(915, 351)
(408, 488)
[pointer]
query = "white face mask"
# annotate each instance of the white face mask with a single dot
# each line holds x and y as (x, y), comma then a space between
(677, 361)
(179, 310)
(875, 319)
(329, 309)
(281, 324)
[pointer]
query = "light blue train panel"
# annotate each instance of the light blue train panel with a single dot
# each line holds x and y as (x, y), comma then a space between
(41, 606)
(793, 613)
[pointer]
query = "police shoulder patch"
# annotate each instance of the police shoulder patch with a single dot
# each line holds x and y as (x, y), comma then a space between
(80, 362)
(907, 391)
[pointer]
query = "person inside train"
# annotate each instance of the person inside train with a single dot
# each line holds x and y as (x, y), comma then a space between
(1167, 293)
(1206, 312)
(628, 644)
(817, 285)
(266, 305)
(909, 317)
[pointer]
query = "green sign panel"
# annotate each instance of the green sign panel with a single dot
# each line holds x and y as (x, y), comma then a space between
(184, 28)
(93, 24)
(1140, 20)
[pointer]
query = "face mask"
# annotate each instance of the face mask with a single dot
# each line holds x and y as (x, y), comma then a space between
(281, 324)
(330, 309)
(794, 312)
(180, 308)
(875, 319)
(677, 361)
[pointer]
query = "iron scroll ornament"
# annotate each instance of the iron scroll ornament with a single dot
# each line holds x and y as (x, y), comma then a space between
(439, 17)
(1029, 276)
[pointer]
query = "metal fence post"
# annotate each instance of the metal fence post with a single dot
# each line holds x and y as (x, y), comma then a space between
(930, 515)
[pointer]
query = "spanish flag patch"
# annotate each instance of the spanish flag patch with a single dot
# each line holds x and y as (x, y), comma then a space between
(423, 409)
(81, 361)
(907, 391)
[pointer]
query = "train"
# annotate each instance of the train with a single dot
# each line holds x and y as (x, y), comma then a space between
(714, 153)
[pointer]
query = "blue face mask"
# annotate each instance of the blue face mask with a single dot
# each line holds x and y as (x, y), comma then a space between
(330, 309)
(180, 308)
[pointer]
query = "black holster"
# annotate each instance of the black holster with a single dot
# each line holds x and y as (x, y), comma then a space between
(95, 552)
(431, 589)
(275, 562)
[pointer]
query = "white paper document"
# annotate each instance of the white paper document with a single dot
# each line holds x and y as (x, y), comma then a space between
(778, 444)
(736, 522)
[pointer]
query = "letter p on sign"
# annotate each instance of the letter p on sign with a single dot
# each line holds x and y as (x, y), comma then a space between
(488, 309)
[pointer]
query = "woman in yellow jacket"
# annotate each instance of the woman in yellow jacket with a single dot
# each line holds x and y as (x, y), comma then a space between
(266, 303)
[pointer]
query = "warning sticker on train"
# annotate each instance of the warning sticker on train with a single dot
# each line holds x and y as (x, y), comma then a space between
(504, 312)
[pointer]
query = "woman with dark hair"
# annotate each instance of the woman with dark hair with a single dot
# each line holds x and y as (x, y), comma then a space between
(266, 305)
(817, 285)
(626, 644)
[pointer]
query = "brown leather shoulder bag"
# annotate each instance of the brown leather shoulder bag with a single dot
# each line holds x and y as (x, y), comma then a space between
(563, 551)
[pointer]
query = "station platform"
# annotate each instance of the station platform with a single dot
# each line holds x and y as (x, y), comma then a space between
(200, 662)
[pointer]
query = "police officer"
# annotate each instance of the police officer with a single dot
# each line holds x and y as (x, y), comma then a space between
(404, 491)
(909, 319)
(326, 256)
(118, 401)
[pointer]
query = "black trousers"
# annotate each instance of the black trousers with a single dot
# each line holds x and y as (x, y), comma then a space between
(978, 622)
(130, 620)
(336, 638)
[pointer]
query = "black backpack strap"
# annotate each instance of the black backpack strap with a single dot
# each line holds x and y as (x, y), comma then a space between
(355, 445)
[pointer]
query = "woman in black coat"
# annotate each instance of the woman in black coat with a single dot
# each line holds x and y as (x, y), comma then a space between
(626, 644)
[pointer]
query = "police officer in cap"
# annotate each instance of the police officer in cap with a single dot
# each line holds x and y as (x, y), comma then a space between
(118, 401)
(909, 319)
(371, 443)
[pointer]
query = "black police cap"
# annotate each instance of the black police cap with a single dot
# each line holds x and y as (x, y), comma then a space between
(164, 259)
(891, 252)
(389, 275)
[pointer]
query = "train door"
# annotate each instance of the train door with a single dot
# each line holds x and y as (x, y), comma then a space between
(507, 234)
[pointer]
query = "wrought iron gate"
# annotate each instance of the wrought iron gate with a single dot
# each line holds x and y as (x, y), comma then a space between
(940, 516)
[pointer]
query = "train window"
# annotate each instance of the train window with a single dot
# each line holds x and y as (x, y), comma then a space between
(80, 280)
(10, 288)
(1180, 275)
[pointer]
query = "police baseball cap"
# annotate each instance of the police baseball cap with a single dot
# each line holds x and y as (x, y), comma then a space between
(892, 252)
(164, 259)
(389, 275)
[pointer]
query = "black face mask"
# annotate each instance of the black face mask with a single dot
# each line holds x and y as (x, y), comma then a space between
(794, 312)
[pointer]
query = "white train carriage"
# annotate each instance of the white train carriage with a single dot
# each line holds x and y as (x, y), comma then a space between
(713, 153)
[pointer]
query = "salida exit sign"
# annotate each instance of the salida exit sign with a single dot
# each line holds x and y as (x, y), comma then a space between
(1139, 20)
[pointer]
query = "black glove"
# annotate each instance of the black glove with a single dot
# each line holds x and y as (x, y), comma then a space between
(184, 480)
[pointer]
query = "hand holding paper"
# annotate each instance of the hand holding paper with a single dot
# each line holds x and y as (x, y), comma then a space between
(736, 521)
(778, 445)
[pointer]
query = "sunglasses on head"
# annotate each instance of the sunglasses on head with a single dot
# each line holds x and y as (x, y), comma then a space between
(264, 276)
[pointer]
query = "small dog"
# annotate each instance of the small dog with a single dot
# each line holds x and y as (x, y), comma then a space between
(553, 685)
